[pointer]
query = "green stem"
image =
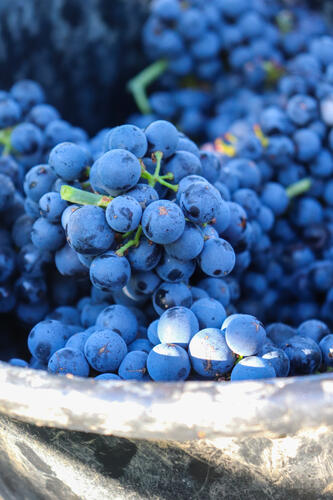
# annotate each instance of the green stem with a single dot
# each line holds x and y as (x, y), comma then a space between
(85, 185)
(156, 177)
(174, 187)
(169, 176)
(78, 196)
(298, 188)
(138, 85)
(126, 235)
(131, 243)
(5, 140)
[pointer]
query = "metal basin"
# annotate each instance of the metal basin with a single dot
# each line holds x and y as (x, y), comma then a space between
(76, 438)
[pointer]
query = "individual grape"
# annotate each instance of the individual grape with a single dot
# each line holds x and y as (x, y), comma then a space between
(105, 350)
(133, 366)
(162, 136)
(46, 338)
(140, 345)
(152, 333)
(110, 271)
(145, 256)
(182, 164)
(252, 368)
(168, 362)
(52, 206)
(38, 181)
(117, 171)
(210, 356)
(326, 347)
(279, 360)
(200, 202)
(88, 232)
(143, 194)
(27, 140)
(42, 114)
(177, 325)
(10, 113)
(120, 319)
(27, 93)
(173, 270)
(128, 137)
(69, 160)
(145, 282)
(163, 222)
(123, 214)
(68, 360)
(217, 258)
(244, 335)
(47, 236)
(189, 245)
(210, 312)
(304, 354)
(170, 295)
(107, 376)
(313, 329)
(68, 263)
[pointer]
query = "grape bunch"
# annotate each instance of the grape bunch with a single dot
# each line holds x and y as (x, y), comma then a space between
(29, 129)
(209, 59)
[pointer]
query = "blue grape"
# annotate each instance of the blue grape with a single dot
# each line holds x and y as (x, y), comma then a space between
(88, 232)
(133, 366)
(209, 353)
(47, 236)
(123, 214)
(244, 335)
(46, 338)
(69, 160)
(168, 362)
(162, 136)
(110, 272)
(120, 319)
(252, 368)
(163, 222)
(69, 360)
(177, 325)
(209, 311)
(128, 137)
(217, 258)
(105, 350)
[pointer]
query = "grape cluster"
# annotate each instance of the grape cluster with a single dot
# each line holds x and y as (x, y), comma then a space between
(29, 129)
(210, 58)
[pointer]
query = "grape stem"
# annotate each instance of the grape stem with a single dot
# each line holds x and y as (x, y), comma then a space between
(138, 85)
(131, 243)
(5, 135)
(156, 177)
(80, 197)
(298, 188)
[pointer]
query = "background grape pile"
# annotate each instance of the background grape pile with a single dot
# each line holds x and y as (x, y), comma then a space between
(194, 242)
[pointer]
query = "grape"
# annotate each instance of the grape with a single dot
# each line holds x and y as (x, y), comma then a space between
(163, 222)
(252, 368)
(168, 362)
(209, 353)
(69, 160)
(88, 232)
(110, 272)
(133, 366)
(68, 360)
(128, 137)
(105, 350)
(118, 170)
(123, 214)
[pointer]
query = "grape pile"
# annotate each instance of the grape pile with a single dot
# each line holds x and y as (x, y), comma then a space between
(30, 128)
(212, 62)
(137, 255)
